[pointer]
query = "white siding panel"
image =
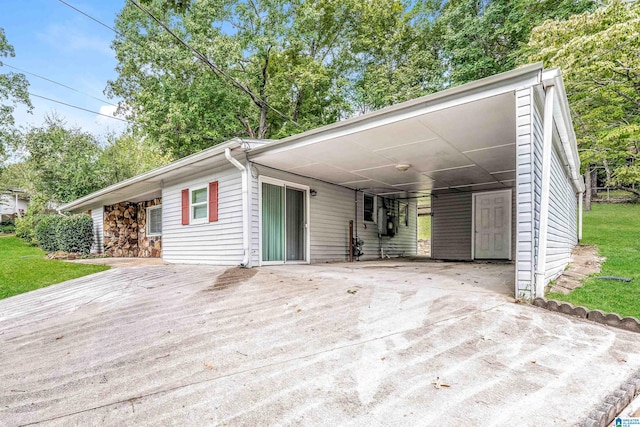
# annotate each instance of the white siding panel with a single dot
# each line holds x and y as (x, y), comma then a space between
(451, 226)
(562, 233)
(330, 212)
(528, 142)
(97, 215)
(218, 243)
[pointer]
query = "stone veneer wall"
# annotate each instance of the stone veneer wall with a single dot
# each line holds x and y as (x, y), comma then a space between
(125, 231)
(148, 246)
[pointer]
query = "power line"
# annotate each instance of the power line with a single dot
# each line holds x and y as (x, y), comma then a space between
(80, 108)
(57, 83)
(208, 138)
(90, 17)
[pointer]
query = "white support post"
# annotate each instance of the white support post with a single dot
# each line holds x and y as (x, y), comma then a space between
(547, 146)
(580, 195)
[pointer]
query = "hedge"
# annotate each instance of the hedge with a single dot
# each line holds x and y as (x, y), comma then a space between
(75, 234)
(59, 233)
(46, 232)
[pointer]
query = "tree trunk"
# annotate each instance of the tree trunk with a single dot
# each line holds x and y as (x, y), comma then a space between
(594, 183)
(587, 193)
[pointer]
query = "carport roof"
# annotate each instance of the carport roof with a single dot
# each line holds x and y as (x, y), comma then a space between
(459, 139)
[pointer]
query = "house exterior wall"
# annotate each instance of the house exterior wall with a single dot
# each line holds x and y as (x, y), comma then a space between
(219, 242)
(97, 215)
(329, 214)
(452, 226)
(8, 205)
(529, 138)
(562, 233)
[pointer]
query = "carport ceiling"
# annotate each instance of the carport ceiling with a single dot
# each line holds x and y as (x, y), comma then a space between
(462, 148)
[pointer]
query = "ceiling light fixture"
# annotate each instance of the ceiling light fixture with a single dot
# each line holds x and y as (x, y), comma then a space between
(403, 167)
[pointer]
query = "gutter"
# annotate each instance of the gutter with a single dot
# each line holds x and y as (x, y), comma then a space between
(245, 204)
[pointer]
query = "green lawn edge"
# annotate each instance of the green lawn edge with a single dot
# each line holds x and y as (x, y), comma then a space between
(24, 268)
(615, 230)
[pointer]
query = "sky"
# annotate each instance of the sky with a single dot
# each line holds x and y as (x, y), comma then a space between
(55, 41)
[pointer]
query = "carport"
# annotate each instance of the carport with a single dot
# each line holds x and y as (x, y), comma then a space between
(497, 157)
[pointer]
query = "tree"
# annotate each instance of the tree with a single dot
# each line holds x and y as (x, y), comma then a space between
(64, 160)
(274, 71)
(599, 54)
(13, 91)
(127, 156)
(485, 37)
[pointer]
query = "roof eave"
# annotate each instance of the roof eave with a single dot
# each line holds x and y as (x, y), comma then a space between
(154, 173)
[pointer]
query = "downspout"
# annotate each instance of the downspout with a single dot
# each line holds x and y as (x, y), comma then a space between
(245, 205)
(547, 146)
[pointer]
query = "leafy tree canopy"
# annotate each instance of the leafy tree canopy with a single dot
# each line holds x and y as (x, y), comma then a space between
(599, 54)
(13, 91)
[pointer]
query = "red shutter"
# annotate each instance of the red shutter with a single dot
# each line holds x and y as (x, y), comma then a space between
(213, 201)
(185, 207)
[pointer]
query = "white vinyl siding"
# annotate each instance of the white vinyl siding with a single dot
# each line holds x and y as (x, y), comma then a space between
(329, 214)
(218, 243)
(528, 181)
(451, 226)
(97, 215)
(562, 233)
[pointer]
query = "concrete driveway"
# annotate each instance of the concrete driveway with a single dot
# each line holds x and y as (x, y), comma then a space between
(358, 344)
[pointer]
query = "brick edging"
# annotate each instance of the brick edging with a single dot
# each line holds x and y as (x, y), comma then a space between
(612, 319)
(614, 403)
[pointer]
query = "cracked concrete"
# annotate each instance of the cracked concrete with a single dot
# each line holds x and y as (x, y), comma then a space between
(306, 344)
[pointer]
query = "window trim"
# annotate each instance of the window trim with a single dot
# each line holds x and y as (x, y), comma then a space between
(205, 219)
(148, 224)
(374, 220)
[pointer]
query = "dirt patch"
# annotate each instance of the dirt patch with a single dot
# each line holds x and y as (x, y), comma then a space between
(232, 276)
(584, 262)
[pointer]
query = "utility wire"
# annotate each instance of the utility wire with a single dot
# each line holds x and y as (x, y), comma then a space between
(208, 138)
(79, 108)
(57, 83)
(90, 17)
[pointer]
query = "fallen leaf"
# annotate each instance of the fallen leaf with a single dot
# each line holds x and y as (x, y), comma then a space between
(299, 310)
(439, 384)
(352, 291)
(59, 337)
(209, 367)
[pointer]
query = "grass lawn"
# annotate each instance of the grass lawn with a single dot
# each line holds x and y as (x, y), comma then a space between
(424, 227)
(24, 268)
(615, 229)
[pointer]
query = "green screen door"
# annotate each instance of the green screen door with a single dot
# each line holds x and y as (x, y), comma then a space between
(283, 223)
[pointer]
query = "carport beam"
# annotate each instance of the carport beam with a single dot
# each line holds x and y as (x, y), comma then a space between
(547, 146)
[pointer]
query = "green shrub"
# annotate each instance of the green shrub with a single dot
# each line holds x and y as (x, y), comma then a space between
(25, 227)
(46, 232)
(75, 233)
(8, 229)
(7, 221)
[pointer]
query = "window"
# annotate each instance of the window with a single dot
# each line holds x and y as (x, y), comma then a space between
(369, 208)
(403, 209)
(199, 203)
(154, 220)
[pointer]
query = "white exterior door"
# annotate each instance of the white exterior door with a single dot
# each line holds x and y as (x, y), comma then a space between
(492, 225)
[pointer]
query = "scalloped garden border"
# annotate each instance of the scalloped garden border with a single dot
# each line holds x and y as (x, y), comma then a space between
(611, 319)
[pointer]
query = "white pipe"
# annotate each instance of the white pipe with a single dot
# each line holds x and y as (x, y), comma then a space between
(245, 206)
(547, 146)
(580, 216)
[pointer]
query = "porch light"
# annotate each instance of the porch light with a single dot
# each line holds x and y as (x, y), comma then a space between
(403, 167)
(313, 192)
